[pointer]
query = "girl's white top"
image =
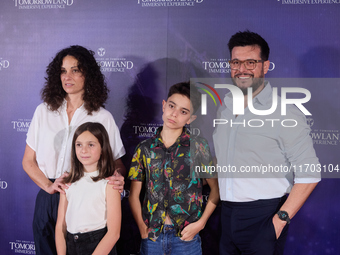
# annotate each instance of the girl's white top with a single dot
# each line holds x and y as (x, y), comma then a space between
(86, 209)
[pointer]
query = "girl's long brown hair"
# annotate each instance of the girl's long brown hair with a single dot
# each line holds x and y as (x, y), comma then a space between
(106, 165)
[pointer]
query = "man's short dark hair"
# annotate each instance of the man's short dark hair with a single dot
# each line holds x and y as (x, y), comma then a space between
(184, 89)
(248, 38)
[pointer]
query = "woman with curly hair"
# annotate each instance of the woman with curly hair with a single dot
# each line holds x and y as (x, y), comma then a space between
(74, 93)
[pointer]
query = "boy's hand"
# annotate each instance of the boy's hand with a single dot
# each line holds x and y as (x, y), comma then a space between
(144, 233)
(191, 230)
(117, 180)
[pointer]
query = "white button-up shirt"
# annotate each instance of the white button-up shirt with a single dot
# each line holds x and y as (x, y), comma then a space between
(252, 146)
(50, 136)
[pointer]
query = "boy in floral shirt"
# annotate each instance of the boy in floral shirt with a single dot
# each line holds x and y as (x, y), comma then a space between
(171, 215)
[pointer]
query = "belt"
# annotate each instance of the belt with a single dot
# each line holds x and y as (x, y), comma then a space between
(259, 202)
(81, 237)
(168, 228)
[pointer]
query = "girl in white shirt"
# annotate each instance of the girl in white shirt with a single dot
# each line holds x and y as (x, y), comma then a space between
(89, 215)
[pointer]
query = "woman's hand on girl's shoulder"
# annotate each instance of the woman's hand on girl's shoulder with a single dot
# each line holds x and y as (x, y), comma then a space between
(58, 185)
(117, 181)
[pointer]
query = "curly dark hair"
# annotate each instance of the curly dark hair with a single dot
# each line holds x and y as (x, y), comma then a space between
(95, 88)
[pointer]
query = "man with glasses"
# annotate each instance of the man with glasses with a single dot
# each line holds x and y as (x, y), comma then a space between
(255, 209)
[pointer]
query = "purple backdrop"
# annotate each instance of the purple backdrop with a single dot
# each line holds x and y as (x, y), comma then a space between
(143, 47)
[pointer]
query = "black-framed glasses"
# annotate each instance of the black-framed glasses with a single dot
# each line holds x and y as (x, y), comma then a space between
(250, 64)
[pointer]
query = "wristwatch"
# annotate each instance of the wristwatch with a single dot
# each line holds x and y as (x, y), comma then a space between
(283, 215)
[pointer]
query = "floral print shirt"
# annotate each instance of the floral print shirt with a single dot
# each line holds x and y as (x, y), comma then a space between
(171, 185)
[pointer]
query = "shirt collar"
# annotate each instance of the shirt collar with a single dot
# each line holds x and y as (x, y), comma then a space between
(265, 94)
(183, 139)
(64, 105)
(91, 174)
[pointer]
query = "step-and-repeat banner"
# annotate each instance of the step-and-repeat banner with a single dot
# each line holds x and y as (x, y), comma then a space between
(145, 46)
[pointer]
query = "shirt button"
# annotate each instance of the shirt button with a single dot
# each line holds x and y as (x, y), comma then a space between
(76, 237)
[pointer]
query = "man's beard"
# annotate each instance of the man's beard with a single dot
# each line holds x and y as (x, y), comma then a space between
(256, 83)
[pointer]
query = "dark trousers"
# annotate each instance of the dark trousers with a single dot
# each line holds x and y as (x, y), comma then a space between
(44, 221)
(85, 243)
(247, 228)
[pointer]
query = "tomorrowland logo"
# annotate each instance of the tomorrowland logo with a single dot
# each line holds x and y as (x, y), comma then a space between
(24, 247)
(112, 64)
(271, 66)
(147, 1)
(101, 52)
(4, 63)
(42, 2)
(299, 2)
(3, 185)
(310, 122)
(168, 3)
(222, 66)
(21, 125)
